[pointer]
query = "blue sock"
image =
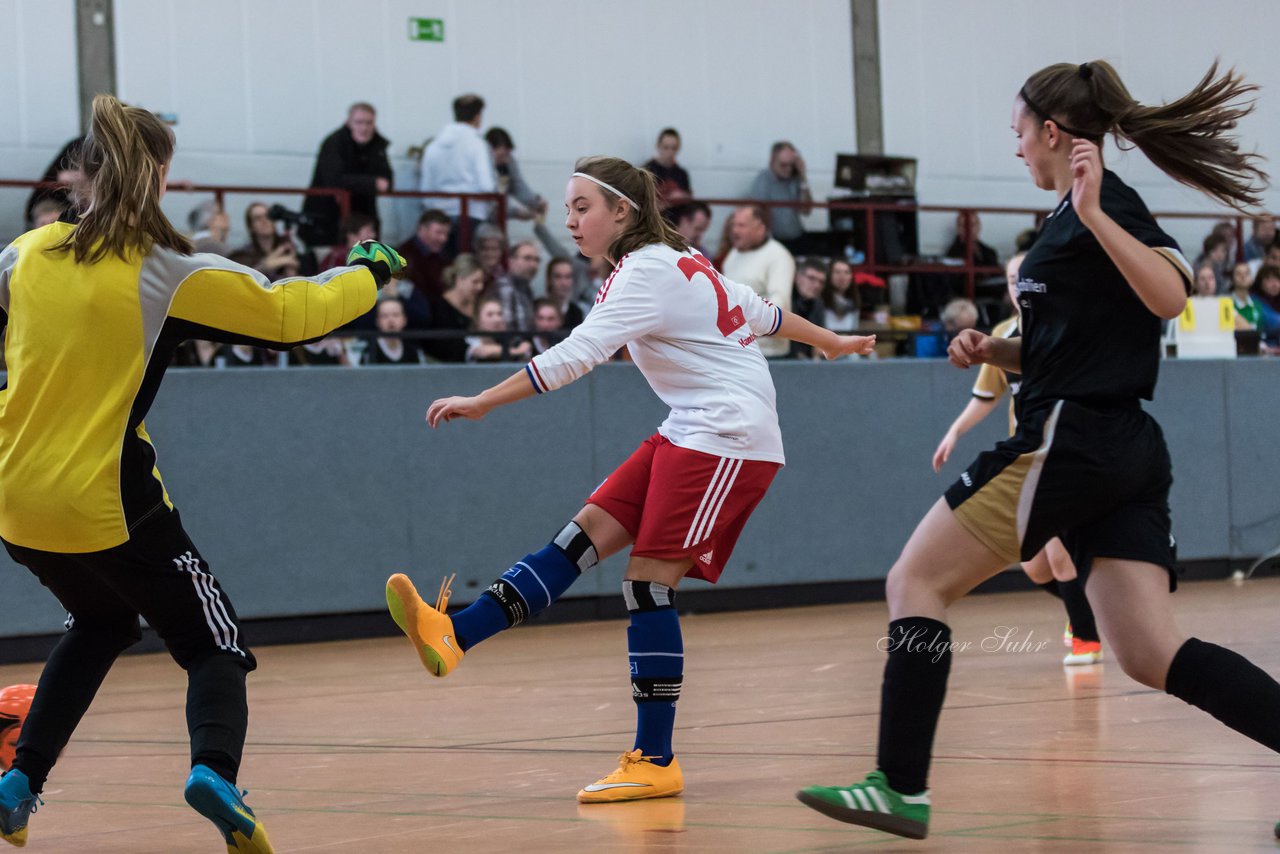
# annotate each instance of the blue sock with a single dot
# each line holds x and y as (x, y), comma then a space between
(656, 652)
(527, 588)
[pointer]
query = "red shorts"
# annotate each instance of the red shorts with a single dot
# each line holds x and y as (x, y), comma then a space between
(678, 503)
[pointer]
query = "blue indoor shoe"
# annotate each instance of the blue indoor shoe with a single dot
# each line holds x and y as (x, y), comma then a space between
(220, 802)
(16, 806)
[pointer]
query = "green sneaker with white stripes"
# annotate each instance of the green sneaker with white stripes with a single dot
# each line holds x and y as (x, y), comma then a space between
(872, 803)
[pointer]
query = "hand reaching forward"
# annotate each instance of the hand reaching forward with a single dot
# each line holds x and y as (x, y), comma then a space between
(449, 408)
(943, 453)
(846, 345)
(969, 348)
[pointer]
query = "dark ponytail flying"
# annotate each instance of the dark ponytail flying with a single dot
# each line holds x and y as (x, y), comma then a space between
(1186, 138)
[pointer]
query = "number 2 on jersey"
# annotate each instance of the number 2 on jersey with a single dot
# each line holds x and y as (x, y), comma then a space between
(728, 320)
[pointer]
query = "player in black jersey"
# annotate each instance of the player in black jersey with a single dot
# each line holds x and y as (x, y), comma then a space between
(1086, 463)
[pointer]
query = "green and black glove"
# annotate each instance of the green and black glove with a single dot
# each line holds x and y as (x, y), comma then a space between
(383, 260)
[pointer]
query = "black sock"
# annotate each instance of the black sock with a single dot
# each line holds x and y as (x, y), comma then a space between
(1051, 587)
(1228, 686)
(1078, 610)
(915, 684)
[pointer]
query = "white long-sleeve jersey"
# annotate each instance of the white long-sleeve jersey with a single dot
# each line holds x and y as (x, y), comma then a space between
(692, 333)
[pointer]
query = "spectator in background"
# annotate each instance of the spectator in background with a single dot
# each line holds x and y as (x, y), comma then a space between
(268, 251)
(806, 300)
(463, 282)
(784, 181)
(549, 325)
(491, 251)
(1206, 282)
(586, 284)
(968, 224)
(426, 255)
(1266, 291)
(326, 352)
(352, 158)
(62, 171)
(1264, 234)
(391, 349)
(243, 356)
(842, 307)
(958, 315)
(514, 289)
(559, 292)
(210, 227)
(523, 202)
(762, 264)
(489, 348)
(725, 245)
(1249, 310)
(1216, 252)
(673, 181)
(48, 211)
(1270, 258)
(458, 160)
(691, 219)
(1232, 234)
(354, 228)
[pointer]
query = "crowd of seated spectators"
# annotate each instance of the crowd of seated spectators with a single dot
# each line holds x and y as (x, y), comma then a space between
(490, 304)
(1247, 271)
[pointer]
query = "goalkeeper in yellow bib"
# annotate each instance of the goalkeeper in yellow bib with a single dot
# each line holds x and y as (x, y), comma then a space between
(94, 311)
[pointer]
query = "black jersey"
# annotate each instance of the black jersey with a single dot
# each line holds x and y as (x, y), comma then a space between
(1085, 334)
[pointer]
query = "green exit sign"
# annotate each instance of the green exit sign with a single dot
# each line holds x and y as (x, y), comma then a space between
(426, 29)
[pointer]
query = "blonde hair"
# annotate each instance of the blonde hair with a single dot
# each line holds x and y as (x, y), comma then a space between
(464, 265)
(645, 224)
(1186, 138)
(123, 161)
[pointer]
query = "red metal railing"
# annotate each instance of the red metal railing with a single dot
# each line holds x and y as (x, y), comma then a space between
(342, 196)
(968, 269)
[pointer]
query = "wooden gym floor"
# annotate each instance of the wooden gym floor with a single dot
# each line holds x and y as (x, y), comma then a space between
(354, 748)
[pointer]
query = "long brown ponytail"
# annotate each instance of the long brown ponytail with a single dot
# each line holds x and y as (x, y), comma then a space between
(646, 224)
(1186, 138)
(122, 160)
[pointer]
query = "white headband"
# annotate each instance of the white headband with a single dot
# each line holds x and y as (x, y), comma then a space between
(611, 189)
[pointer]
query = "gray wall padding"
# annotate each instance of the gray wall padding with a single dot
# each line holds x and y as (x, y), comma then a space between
(305, 488)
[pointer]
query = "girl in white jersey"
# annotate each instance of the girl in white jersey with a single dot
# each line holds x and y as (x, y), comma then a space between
(683, 497)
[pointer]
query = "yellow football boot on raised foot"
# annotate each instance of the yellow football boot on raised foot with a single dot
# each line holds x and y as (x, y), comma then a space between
(429, 629)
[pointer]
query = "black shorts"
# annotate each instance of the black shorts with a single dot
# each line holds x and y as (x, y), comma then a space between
(1098, 477)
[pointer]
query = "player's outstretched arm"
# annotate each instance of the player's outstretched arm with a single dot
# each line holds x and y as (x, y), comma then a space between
(978, 409)
(513, 388)
(831, 345)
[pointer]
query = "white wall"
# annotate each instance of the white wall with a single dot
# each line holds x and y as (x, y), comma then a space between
(257, 85)
(950, 72)
(39, 106)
